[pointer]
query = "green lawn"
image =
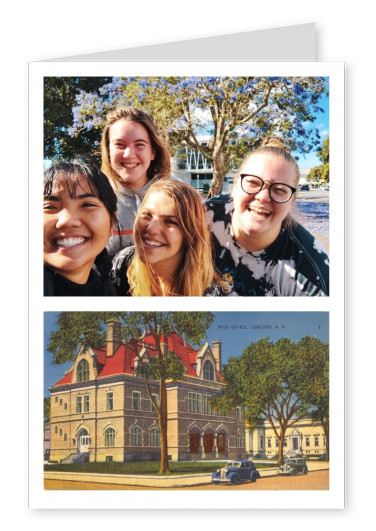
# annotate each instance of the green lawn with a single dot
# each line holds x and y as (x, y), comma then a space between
(148, 468)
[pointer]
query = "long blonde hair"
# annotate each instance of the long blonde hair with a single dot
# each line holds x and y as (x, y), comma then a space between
(196, 272)
(159, 168)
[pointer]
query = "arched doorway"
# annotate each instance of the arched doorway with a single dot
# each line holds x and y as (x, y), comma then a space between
(221, 445)
(83, 440)
(194, 443)
(208, 443)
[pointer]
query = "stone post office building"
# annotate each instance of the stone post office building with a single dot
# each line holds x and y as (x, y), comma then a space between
(101, 411)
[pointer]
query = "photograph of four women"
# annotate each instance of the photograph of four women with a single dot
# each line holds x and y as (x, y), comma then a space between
(131, 228)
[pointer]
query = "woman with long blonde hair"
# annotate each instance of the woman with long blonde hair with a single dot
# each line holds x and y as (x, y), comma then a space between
(172, 253)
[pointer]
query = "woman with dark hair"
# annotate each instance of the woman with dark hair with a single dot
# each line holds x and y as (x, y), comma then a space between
(172, 253)
(260, 249)
(79, 214)
(134, 157)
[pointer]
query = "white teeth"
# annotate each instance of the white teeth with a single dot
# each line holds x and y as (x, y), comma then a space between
(260, 211)
(153, 244)
(69, 242)
(130, 165)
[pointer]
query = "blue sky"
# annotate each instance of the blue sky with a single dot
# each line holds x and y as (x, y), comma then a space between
(311, 160)
(236, 330)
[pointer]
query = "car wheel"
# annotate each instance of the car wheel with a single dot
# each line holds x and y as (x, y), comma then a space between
(235, 480)
(293, 472)
(305, 470)
(253, 477)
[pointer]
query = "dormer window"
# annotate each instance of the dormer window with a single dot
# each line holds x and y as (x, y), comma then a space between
(208, 371)
(82, 371)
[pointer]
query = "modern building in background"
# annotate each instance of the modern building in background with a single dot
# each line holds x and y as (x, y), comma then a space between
(101, 410)
(189, 165)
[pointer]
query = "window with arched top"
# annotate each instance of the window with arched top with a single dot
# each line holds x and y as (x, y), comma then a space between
(208, 371)
(83, 371)
(154, 437)
(109, 437)
(136, 436)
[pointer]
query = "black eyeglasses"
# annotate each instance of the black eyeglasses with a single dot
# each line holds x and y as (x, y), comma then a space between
(279, 192)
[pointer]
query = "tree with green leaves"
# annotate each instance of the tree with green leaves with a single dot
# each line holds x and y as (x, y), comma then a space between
(279, 382)
(234, 112)
(75, 328)
(46, 409)
(321, 172)
(317, 388)
(59, 98)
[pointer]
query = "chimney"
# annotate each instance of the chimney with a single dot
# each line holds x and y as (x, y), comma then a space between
(113, 336)
(217, 353)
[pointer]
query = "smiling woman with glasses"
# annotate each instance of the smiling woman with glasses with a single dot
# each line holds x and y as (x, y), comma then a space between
(260, 249)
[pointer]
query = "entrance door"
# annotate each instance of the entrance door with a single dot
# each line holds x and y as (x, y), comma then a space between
(208, 443)
(83, 441)
(194, 443)
(221, 443)
(295, 443)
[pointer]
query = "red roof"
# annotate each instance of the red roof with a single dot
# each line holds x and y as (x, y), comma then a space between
(122, 362)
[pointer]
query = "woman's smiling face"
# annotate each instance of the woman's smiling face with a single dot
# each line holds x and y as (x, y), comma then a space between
(131, 152)
(257, 219)
(76, 230)
(159, 238)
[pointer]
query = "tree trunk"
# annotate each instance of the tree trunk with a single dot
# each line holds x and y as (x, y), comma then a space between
(220, 167)
(325, 425)
(164, 468)
(281, 446)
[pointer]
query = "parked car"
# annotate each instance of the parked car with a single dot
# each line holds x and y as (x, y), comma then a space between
(304, 187)
(275, 456)
(293, 466)
(322, 457)
(235, 472)
(260, 455)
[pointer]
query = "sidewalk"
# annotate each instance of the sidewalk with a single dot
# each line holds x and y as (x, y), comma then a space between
(168, 482)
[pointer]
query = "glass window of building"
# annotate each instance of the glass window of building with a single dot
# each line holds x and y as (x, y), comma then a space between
(154, 437)
(194, 402)
(136, 436)
(109, 437)
(208, 371)
(82, 371)
(136, 400)
(206, 407)
(110, 401)
(78, 404)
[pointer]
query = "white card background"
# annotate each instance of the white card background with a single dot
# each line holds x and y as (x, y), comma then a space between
(333, 498)
(39, 30)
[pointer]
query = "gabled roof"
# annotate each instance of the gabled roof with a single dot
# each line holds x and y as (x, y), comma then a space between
(122, 362)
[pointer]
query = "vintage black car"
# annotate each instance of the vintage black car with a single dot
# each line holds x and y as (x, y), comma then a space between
(293, 466)
(235, 472)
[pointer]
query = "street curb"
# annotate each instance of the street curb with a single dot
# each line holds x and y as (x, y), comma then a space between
(163, 482)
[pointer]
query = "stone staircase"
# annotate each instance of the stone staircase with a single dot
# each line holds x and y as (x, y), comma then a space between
(78, 457)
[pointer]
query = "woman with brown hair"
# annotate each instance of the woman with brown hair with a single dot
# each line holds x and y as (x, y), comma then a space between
(133, 157)
(172, 253)
(260, 249)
